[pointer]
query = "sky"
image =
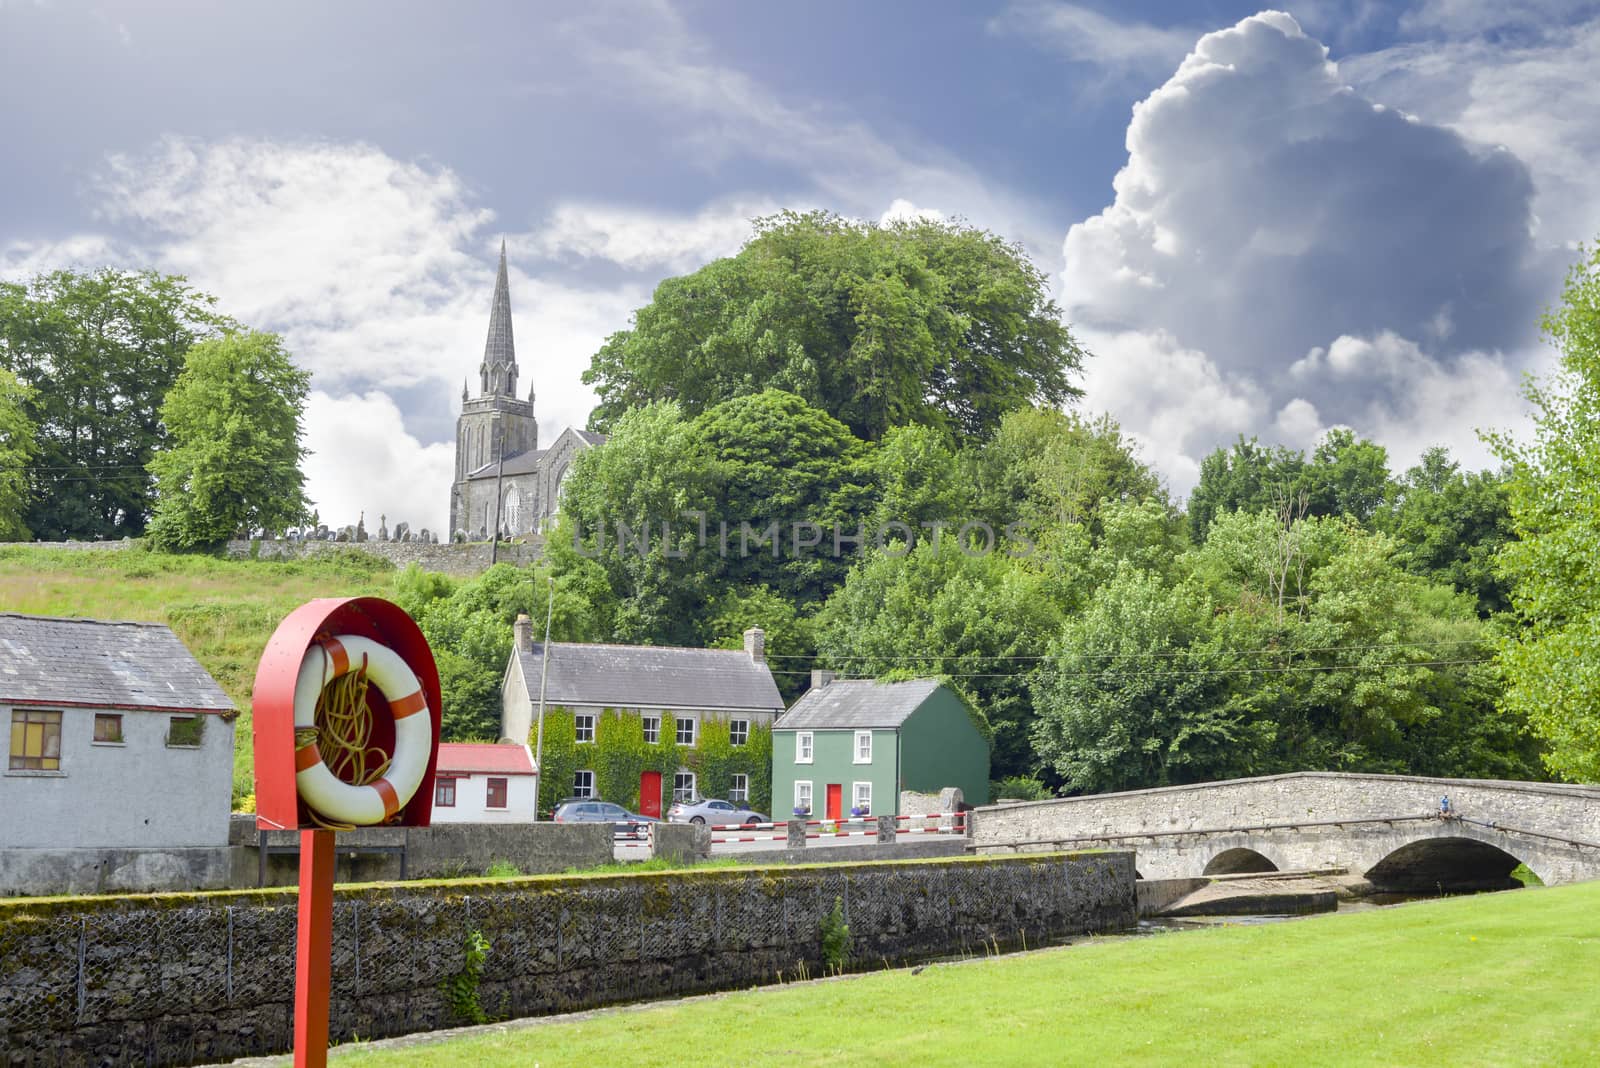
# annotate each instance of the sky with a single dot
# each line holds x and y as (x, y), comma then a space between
(1259, 222)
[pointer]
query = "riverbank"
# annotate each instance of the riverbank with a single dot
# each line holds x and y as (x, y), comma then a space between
(1490, 979)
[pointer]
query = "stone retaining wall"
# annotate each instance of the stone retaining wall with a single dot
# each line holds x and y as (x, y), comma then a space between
(470, 558)
(194, 978)
(443, 850)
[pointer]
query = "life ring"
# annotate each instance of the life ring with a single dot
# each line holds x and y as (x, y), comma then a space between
(324, 791)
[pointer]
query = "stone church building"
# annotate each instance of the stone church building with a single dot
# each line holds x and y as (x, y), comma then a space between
(503, 480)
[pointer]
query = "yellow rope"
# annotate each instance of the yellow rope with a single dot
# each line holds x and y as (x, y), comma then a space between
(344, 735)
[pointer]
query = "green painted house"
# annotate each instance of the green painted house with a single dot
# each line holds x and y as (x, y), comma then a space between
(851, 744)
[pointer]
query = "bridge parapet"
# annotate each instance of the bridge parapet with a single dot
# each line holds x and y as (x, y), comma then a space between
(1313, 818)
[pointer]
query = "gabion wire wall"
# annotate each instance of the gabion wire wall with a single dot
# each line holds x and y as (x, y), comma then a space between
(141, 984)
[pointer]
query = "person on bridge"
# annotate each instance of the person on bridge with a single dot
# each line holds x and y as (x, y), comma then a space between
(1444, 807)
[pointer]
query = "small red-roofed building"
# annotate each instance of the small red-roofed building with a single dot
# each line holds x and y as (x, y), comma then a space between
(481, 782)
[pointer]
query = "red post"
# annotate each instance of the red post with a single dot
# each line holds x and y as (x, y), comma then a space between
(313, 957)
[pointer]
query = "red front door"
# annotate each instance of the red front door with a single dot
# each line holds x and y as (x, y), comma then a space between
(650, 794)
(835, 801)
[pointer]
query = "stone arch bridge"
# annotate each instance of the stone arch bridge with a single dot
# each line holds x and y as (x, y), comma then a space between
(1388, 828)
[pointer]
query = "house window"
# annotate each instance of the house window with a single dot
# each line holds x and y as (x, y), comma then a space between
(802, 795)
(739, 792)
(652, 730)
(35, 741)
(583, 725)
(863, 747)
(685, 730)
(107, 728)
(802, 747)
(183, 732)
(497, 794)
(444, 793)
(583, 784)
(861, 797)
(738, 731)
(683, 785)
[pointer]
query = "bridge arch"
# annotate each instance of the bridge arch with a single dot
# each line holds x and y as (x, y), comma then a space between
(1238, 861)
(1445, 863)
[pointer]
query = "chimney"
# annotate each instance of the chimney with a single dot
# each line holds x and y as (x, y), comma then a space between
(755, 643)
(522, 632)
(820, 678)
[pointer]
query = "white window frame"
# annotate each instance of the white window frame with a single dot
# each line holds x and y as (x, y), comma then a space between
(681, 793)
(738, 732)
(578, 727)
(858, 790)
(805, 748)
(799, 793)
(677, 730)
(863, 752)
(739, 788)
(585, 792)
(651, 725)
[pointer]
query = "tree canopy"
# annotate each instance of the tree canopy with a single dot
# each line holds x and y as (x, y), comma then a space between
(17, 449)
(927, 323)
(231, 463)
(1551, 661)
(99, 351)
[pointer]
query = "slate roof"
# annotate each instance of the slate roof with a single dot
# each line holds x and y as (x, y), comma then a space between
(48, 660)
(481, 757)
(857, 704)
(523, 463)
(650, 676)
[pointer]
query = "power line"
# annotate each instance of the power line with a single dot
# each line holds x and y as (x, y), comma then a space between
(1216, 672)
(1276, 650)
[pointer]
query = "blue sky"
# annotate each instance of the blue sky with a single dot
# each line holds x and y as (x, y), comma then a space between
(1266, 223)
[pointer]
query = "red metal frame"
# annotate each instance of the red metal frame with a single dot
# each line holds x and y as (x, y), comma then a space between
(278, 805)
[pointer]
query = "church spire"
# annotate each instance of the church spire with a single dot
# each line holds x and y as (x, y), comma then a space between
(499, 368)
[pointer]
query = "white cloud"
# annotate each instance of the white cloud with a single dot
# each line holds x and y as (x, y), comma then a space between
(1265, 208)
(1083, 35)
(638, 238)
(363, 460)
(1524, 97)
(378, 272)
(902, 210)
(1173, 400)
(1419, 402)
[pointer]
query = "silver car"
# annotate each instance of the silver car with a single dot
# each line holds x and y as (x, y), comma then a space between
(710, 810)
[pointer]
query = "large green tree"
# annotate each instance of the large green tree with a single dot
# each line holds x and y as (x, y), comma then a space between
(17, 449)
(1552, 661)
(1450, 525)
(910, 322)
(231, 463)
(99, 350)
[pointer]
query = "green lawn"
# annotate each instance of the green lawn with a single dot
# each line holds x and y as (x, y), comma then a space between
(1488, 980)
(223, 610)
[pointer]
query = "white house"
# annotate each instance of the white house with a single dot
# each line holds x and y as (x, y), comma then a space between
(115, 737)
(484, 783)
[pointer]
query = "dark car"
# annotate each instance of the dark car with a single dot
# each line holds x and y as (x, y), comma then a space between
(624, 824)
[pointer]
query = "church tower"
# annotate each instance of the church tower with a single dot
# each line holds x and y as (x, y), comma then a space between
(495, 423)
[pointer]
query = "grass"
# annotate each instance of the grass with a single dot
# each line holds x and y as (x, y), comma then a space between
(1487, 980)
(632, 867)
(223, 610)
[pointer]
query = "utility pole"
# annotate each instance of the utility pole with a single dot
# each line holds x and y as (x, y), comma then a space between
(499, 474)
(544, 676)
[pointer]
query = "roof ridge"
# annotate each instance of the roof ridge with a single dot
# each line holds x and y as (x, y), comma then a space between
(86, 619)
(625, 645)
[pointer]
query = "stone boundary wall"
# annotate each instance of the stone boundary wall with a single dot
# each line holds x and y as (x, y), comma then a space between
(187, 979)
(463, 560)
(1549, 808)
(443, 850)
(469, 558)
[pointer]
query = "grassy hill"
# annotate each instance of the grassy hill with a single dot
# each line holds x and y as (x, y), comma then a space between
(223, 610)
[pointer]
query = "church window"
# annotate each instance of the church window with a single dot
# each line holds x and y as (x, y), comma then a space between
(513, 510)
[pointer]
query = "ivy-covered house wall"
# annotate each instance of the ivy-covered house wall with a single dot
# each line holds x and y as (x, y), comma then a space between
(619, 756)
